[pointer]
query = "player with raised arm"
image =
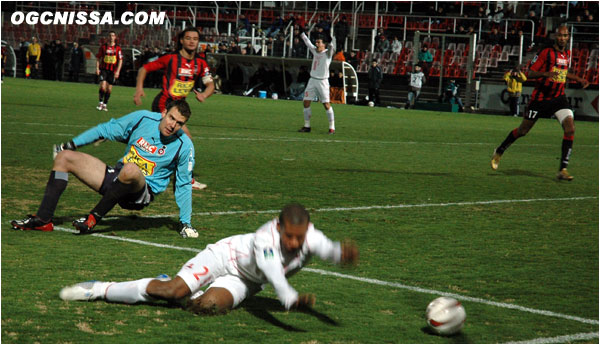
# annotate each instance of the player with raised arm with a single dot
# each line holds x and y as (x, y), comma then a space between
(156, 149)
(181, 73)
(109, 61)
(318, 84)
(234, 268)
(551, 69)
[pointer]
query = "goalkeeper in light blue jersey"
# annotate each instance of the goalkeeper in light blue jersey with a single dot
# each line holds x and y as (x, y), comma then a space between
(156, 149)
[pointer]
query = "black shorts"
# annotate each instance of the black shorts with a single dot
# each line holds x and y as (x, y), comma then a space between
(107, 76)
(545, 109)
(133, 201)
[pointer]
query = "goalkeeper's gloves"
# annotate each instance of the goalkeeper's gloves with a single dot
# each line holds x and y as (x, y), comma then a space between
(63, 146)
(187, 230)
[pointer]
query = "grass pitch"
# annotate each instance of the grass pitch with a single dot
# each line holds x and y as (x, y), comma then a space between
(412, 188)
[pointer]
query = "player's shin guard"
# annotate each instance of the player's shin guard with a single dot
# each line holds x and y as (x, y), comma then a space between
(106, 97)
(330, 117)
(130, 292)
(512, 136)
(116, 191)
(54, 188)
(307, 114)
(100, 95)
(567, 147)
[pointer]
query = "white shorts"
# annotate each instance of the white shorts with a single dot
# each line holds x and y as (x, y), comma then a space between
(208, 267)
(317, 88)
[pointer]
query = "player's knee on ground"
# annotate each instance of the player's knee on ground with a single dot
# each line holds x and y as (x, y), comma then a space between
(169, 290)
(217, 301)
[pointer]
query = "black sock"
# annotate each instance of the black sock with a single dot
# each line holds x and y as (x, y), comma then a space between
(512, 136)
(101, 95)
(54, 188)
(106, 97)
(116, 190)
(567, 147)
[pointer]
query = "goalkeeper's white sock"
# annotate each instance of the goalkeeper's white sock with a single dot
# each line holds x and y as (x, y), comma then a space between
(307, 115)
(127, 292)
(331, 118)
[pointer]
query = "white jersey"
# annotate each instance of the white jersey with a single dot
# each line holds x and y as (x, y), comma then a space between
(259, 257)
(322, 60)
(416, 79)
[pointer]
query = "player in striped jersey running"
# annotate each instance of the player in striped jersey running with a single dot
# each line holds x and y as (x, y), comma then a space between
(108, 67)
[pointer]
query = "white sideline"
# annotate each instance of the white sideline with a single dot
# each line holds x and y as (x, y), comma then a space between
(284, 139)
(560, 339)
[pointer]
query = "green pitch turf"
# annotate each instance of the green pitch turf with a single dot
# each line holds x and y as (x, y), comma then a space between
(413, 188)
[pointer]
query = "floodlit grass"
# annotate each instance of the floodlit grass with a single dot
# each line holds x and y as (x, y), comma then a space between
(412, 188)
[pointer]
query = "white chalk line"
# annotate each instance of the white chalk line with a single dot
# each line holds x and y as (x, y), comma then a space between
(285, 139)
(560, 339)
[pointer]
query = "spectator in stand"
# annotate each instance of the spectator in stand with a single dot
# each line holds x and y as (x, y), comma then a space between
(243, 28)
(59, 60)
(275, 27)
(341, 32)
(396, 46)
(494, 37)
(378, 36)
(416, 82)
(425, 58)
(512, 38)
(301, 22)
(233, 48)
(375, 79)
(298, 49)
(352, 59)
(278, 45)
(514, 83)
(339, 56)
(325, 23)
(383, 45)
(75, 62)
(48, 61)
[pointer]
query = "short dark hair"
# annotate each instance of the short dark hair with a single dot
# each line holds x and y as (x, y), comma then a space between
(295, 214)
(374, 60)
(182, 35)
(183, 107)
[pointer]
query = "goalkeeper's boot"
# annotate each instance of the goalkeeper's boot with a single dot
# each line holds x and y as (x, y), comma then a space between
(563, 175)
(495, 160)
(32, 222)
(331, 131)
(86, 291)
(86, 224)
(197, 185)
(304, 130)
(99, 107)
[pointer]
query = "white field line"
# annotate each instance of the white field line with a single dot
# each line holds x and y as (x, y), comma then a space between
(563, 339)
(284, 139)
(377, 207)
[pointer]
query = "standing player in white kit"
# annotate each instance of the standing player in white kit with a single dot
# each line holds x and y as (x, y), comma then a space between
(318, 84)
(234, 268)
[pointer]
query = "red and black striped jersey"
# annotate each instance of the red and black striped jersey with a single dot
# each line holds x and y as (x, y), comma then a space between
(180, 74)
(547, 60)
(109, 57)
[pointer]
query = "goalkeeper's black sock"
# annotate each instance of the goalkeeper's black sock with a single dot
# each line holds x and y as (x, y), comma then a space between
(106, 97)
(512, 136)
(115, 192)
(567, 147)
(100, 95)
(54, 188)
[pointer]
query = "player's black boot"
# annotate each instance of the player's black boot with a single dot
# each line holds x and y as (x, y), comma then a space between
(86, 224)
(304, 130)
(32, 222)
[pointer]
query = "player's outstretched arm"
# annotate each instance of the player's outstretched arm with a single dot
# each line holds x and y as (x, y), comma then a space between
(349, 253)
(580, 80)
(139, 86)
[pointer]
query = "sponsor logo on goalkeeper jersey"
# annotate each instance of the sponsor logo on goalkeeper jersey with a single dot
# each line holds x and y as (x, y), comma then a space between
(146, 146)
(146, 166)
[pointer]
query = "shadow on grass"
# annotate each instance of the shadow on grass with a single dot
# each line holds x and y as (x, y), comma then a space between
(124, 223)
(459, 338)
(261, 307)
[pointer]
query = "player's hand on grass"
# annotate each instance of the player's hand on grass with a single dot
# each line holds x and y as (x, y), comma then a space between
(200, 96)
(137, 96)
(306, 300)
(349, 253)
(188, 231)
(63, 146)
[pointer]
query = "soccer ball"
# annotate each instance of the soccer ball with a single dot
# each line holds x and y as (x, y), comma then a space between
(371, 104)
(445, 316)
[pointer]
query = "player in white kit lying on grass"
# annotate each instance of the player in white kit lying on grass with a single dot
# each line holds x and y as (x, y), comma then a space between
(318, 84)
(234, 268)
